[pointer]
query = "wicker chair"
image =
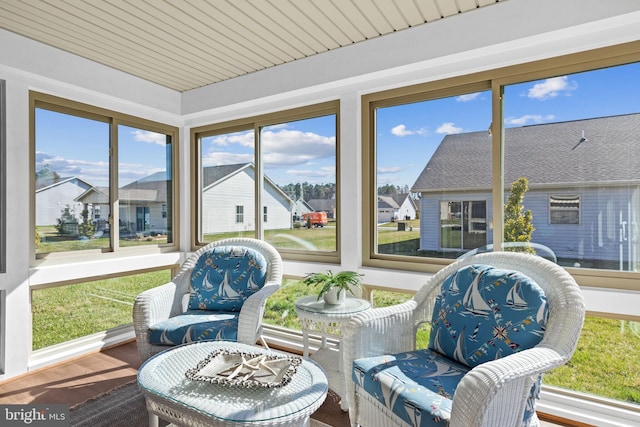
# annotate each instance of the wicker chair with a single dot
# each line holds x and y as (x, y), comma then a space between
(219, 293)
(501, 387)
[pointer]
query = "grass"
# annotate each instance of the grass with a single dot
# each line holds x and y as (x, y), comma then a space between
(73, 311)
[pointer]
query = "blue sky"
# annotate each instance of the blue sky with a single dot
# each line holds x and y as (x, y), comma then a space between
(304, 150)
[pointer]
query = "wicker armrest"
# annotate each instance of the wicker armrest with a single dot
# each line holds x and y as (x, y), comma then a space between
(250, 317)
(488, 389)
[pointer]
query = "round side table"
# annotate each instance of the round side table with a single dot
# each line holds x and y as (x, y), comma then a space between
(327, 320)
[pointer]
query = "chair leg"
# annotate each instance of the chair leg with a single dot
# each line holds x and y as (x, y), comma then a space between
(263, 342)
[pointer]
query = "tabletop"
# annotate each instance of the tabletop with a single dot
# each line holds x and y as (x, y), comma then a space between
(351, 305)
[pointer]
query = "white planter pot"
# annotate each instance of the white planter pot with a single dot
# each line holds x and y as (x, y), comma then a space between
(335, 296)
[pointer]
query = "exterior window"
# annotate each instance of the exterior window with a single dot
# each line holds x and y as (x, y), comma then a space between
(63, 313)
(145, 186)
(564, 209)
(419, 210)
(280, 167)
(581, 163)
(463, 225)
(82, 154)
(239, 214)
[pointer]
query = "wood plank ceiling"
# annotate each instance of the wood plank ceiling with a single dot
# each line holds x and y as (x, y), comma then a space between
(185, 44)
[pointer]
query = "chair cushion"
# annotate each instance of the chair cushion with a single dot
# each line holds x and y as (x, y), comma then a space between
(484, 313)
(418, 386)
(195, 325)
(225, 276)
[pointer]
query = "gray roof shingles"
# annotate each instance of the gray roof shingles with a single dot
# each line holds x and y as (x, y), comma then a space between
(544, 154)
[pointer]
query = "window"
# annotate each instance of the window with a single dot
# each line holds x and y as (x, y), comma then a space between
(568, 163)
(564, 209)
(463, 225)
(581, 163)
(82, 155)
(427, 205)
(63, 313)
(239, 214)
(275, 167)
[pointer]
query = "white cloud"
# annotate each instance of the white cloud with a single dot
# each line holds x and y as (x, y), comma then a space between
(401, 130)
(468, 97)
(323, 172)
(550, 88)
(528, 118)
(281, 148)
(393, 169)
(149, 137)
(448, 128)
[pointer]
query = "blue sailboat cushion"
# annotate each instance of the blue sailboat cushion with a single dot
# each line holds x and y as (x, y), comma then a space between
(417, 386)
(195, 325)
(484, 313)
(225, 276)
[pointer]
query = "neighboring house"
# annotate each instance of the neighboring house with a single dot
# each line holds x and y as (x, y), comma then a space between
(53, 195)
(300, 207)
(144, 205)
(394, 207)
(585, 205)
(324, 205)
(228, 201)
(96, 200)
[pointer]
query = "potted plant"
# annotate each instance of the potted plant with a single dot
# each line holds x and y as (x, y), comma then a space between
(333, 287)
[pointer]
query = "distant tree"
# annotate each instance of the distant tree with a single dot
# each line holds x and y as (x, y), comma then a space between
(518, 226)
(387, 190)
(86, 228)
(47, 175)
(67, 216)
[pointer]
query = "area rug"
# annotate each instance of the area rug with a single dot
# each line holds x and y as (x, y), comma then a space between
(123, 406)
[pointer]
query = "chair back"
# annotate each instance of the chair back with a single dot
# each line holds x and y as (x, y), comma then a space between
(225, 276)
(483, 313)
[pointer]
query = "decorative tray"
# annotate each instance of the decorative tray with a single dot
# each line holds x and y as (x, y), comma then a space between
(237, 368)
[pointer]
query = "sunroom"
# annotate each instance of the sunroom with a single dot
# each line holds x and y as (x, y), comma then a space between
(133, 134)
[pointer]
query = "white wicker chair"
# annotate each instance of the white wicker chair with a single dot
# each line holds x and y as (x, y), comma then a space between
(168, 300)
(493, 394)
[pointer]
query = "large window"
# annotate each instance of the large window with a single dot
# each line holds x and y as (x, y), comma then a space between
(102, 181)
(259, 177)
(425, 204)
(574, 138)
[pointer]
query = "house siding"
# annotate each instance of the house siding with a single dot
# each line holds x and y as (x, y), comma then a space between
(51, 201)
(606, 233)
(219, 205)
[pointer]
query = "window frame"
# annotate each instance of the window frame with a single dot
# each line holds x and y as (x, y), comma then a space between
(3, 178)
(495, 80)
(256, 123)
(56, 104)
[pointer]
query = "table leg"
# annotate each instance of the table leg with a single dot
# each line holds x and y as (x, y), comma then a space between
(305, 344)
(153, 420)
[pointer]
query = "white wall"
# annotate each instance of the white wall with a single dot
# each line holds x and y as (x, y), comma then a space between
(511, 32)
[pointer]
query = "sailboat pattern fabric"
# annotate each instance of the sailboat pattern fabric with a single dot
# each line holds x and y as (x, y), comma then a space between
(225, 277)
(482, 313)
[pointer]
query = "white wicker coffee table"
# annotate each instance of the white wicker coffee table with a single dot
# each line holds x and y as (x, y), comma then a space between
(170, 395)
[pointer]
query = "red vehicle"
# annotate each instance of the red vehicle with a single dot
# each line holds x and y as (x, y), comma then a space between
(316, 219)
